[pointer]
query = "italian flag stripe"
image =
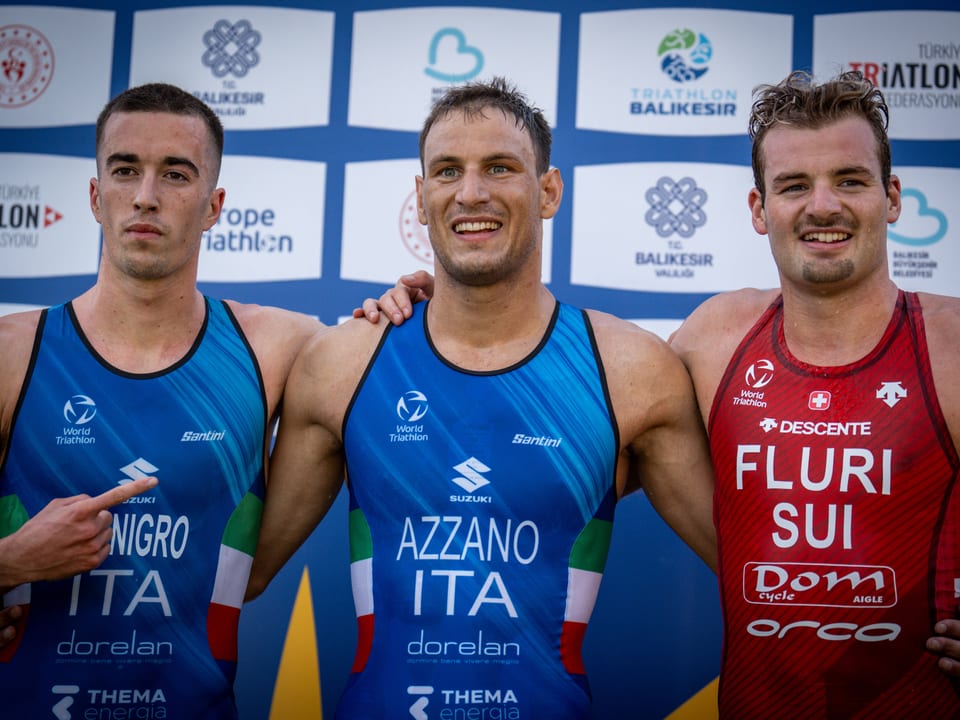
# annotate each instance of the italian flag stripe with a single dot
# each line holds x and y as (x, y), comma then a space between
(361, 578)
(244, 525)
(590, 549)
(233, 571)
(222, 623)
(571, 643)
(587, 560)
(237, 546)
(361, 541)
(12, 517)
(582, 589)
(364, 643)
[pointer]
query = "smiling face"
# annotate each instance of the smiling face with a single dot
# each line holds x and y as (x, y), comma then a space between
(154, 194)
(826, 209)
(482, 200)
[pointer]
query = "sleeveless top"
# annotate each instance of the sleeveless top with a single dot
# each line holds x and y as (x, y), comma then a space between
(837, 518)
(481, 508)
(152, 632)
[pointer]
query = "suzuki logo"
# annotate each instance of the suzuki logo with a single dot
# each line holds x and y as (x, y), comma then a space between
(472, 480)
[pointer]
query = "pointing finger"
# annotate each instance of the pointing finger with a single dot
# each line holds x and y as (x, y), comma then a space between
(122, 493)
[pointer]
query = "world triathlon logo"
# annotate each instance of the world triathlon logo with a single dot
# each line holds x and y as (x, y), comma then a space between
(26, 65)
(412, 406)
(231, 48)
(685, 55)
(676, 207)
(79, 410)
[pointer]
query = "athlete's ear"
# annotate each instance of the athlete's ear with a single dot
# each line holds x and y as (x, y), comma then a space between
(95, 198)
(421, 212)
(757, 214)
(551, 193)
(894, 194)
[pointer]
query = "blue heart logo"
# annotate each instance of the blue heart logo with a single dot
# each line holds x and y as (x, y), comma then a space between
(461, 52)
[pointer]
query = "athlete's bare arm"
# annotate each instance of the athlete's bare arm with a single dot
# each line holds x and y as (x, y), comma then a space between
(663, 445)
(941, 317)
(307, 464)
(276, 337)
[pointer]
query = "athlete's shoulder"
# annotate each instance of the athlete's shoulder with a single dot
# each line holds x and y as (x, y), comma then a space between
(18, 332)
(941, 320)
(624, 340)
(717, 325)
(268, 322)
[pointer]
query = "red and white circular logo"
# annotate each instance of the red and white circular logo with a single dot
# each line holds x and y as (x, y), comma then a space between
(413, 234)
(26, 65)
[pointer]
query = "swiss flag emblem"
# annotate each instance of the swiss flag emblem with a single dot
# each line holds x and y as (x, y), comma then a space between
(819, 400)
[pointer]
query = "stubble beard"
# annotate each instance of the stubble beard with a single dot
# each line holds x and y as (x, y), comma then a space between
(821, 273)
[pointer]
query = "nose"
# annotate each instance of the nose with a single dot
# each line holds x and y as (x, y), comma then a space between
(146, 197)
(824, 201)
(473, 188)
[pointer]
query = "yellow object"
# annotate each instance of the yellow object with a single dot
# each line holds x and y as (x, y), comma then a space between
(702, 706)
(296, 695)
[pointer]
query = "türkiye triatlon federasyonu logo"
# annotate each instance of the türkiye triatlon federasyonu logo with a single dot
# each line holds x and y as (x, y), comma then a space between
(26, 65)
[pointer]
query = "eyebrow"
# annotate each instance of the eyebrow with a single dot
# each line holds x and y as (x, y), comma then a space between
(838, 172)
(168, 161)
(486, 160)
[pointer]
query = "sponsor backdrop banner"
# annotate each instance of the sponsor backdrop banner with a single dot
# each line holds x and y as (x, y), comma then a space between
(322, 102)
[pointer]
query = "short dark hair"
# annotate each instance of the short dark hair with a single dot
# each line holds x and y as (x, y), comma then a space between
(800, 102)
(475, 97)
(162, 98)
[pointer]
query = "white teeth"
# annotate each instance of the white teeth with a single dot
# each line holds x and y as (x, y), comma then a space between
(826, 237)
(475, 226)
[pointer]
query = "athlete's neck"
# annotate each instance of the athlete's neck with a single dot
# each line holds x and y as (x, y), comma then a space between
(834, 329)
(490, 328)
(140, 330)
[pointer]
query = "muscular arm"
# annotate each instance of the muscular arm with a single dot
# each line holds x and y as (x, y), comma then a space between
(664, 449)
(69, 535)
(307, 464)
(942, 319)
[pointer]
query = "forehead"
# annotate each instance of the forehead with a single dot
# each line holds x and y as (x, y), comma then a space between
(847, 142)
(148, 133)
(462, 134)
